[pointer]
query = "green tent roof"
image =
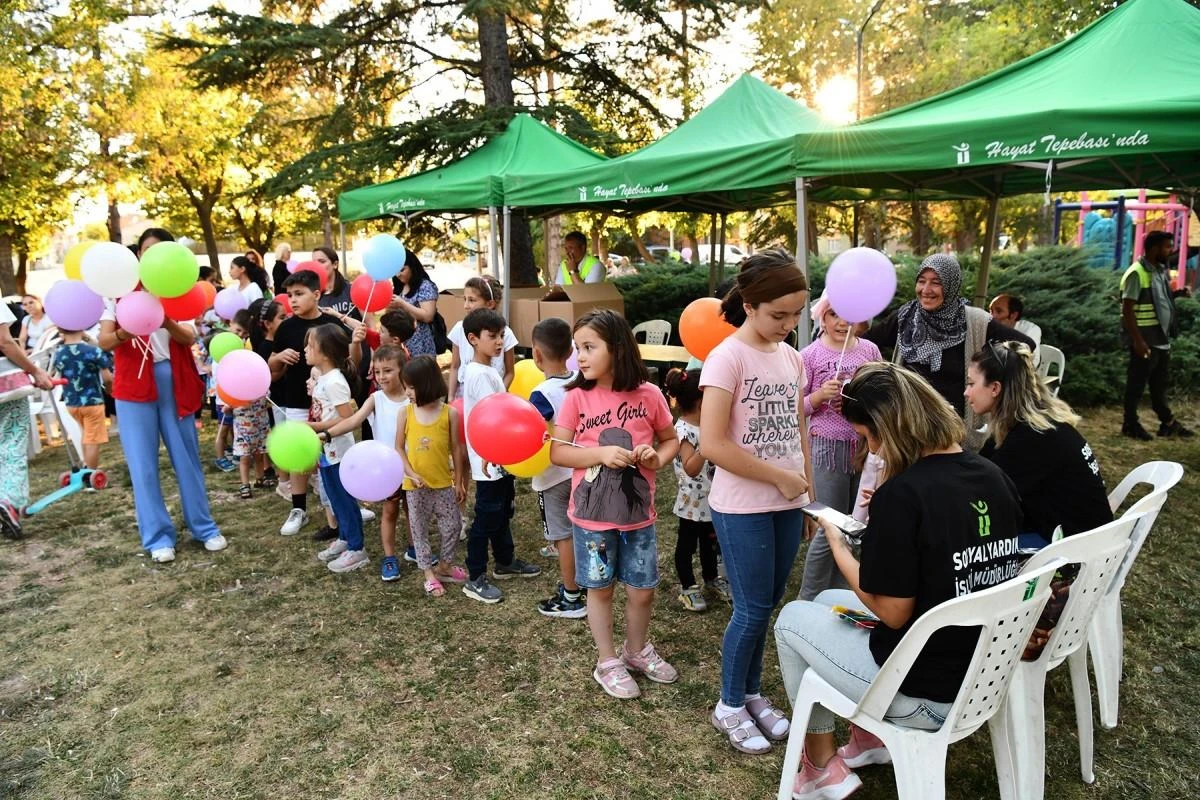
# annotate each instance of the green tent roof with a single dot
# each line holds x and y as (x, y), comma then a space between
(1116, 105)
(737, 153)
(475, 181)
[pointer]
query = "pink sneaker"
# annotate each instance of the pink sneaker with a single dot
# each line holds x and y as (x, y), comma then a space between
(863, 749)
(834, 781)
(649, 663)
(614, 678)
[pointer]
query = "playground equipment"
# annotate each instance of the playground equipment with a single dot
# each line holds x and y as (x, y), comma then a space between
(1100, 231)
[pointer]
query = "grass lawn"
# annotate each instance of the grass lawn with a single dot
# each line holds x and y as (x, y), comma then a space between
(257, 673)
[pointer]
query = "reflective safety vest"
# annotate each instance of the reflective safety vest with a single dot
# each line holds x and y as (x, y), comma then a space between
(585, 269)
(1144, 314)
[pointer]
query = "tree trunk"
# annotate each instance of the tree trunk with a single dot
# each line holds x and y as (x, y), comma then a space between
(8, 281)
(327, 225)
(203, 199)
(114, 219)
(553, 229)
(22, 269)
(631, 222)
(920, 244)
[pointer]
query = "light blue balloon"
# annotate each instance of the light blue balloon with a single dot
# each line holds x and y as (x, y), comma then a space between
(383, 256)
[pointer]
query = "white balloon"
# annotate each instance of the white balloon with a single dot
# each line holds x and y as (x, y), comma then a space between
(109, 269)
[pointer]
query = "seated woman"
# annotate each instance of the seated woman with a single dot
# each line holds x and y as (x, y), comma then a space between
(921, 548)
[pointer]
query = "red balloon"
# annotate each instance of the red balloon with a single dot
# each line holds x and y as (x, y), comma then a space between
(457, 405)
(231, 401)
(701, 326)
(313, 266)
(505, 429)
(188, 305)
(370, 295)
(283, 300)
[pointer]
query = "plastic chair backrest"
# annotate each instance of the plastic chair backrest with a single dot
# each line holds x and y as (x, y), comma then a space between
(658, 331)
(1161, 476)
(1006, 615)
(1052, 356)
(1098, 553)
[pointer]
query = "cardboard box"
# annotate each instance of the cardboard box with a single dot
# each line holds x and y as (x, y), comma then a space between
(450, 306)
(583, 298)
(524, 312)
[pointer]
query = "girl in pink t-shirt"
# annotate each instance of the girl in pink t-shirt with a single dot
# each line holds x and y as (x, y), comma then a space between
(615, 431)
(752, 428)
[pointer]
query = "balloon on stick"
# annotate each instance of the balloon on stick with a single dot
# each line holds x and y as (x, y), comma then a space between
(72, 306)
(526, 377)
(109, 269)
(189, 305)
(701, 326)
(860, 283)
(140, 313)
(293, 446)
(232, 402)
(168, 269)
(532, 466)
(244, 375)
(73, 260)
(383, 256)
(229, 301)
(313, 266)
(224, 343)
(505, 429)
(371, 471)
(370, 295)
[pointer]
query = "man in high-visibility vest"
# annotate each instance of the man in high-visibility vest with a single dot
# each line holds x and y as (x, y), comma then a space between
(1149, 321)
(579, 266)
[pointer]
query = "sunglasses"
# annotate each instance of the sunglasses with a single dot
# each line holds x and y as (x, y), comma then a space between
(1000, 352)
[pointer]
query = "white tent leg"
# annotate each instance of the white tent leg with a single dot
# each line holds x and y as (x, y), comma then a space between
(342, 236)
(805, 329)
(506, 278)
(493, 241)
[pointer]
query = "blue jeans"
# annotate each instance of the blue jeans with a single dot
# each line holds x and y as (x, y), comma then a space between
(345, 508)
(759, 550)
(809, 634)
(493, 509)
(142, 426)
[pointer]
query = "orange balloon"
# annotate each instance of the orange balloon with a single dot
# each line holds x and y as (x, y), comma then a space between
(232, 402)
(701, 326)
(210, 293)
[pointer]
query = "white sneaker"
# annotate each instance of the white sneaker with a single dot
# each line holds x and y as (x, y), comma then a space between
(284, 490)
(349, 560)
(215, 544)
(162, 555)
(335, 549)
(367, 515)
(297, 519)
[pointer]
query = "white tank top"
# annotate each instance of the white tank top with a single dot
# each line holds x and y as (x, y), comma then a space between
(384, 418)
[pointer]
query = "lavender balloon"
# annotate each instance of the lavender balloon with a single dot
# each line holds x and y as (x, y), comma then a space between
(371, 471)
(140, 313)
(861, 282)
(72, 306)
(229, 301)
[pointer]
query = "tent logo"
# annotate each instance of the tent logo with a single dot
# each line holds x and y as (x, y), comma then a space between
(582, 193)
(963, 152)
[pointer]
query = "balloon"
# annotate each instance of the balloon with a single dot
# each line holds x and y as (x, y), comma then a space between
(72, 306)
(293, 447)
(573, 361)
(109, 269)
(224, 343)
(229, 301)
(701, 326)
(168, 269)
(291, 265)
(370, 295)
(685, 254)
(383, 256)
(534, 465)
(73, 261)
(313, 266)
(210, 294)
(526, 377)
(283, 300)
(244, 375)
(232, 402)
(457, 405)
(505, 429)
(189, 305)
(860, 284)
(371, 471)
(140, 313)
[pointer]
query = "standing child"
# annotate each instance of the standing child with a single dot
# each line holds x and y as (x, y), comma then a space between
(82, 364)
(480, 292)
(693, 476)
(495, 492)
(830, 362)
(251, 424)
(266, 316)
(327, 349)
(622, 434)
(428, 435)
(551, 349)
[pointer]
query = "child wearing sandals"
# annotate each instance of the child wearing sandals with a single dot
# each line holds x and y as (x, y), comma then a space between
(427, 435)
(615, 431)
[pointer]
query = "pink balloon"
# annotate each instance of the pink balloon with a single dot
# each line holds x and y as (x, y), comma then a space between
(860, 284)
(140, 313)
(72, 306)
(229, 301)
(371, 471)
(243, 375)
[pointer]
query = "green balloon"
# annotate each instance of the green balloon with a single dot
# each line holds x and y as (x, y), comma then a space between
(223, 344)
(293, 446)
(168, 269)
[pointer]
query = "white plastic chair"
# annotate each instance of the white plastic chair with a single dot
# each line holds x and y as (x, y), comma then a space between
(658, 331)
(1052, 357)
(1006, 615)
(1106, 636)
(1023, 720)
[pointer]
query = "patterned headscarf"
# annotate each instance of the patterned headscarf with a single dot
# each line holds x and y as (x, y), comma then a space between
(923, 335)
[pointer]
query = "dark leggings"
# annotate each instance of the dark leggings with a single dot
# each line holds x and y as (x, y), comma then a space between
(691, 535)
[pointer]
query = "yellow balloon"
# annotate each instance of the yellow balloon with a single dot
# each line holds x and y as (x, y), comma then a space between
(526, 377)
(74, 260)
(536, 464)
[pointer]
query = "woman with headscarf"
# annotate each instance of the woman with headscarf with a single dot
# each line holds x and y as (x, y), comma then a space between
(933, 335)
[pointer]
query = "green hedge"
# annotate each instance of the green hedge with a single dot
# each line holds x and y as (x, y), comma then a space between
(1076, 306)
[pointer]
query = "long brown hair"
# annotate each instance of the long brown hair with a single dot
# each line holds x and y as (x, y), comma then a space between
(765, 276)
(629, 372)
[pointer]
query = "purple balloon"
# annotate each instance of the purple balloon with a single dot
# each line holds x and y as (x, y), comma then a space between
(72, 306)
(573, 361)
(371, 471)
(229, 301)
(243, 375)
(860, 284)
(140, 313)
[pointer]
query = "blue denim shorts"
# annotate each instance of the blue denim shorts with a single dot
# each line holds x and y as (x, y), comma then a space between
(602, 557)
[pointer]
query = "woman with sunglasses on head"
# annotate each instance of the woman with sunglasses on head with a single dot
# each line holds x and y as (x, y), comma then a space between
(935, 333)
(943, 524)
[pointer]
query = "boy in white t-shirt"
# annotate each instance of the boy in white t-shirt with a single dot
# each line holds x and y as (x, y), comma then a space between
(495, 492)
(551, 349)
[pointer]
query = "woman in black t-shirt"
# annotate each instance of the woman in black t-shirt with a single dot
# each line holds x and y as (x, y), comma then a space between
(943, 524)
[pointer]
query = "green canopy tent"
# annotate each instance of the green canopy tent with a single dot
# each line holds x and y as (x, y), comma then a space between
(1115, 105)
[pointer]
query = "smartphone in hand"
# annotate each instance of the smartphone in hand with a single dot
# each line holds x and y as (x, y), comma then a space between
(849, 526)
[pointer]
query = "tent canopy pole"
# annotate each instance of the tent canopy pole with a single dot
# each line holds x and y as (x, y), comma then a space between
(805, 328)
(342, 236)
(493, 242)
(985, 260)
(505, 279)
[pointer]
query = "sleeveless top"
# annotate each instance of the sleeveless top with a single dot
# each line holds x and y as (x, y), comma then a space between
(428, 448)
